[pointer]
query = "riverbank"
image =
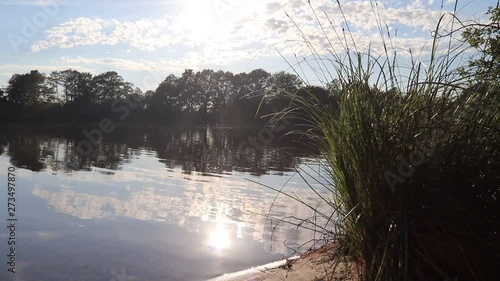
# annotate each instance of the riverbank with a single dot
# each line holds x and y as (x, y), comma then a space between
(312, 266)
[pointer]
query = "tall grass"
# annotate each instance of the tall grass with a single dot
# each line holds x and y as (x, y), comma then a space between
(414, 160)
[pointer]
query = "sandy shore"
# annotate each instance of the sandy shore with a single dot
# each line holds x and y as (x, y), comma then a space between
(313, 266)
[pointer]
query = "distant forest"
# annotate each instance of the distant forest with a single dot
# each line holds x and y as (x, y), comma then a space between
(203, 97)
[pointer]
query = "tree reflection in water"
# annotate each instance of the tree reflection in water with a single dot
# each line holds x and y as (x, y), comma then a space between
(203, 150)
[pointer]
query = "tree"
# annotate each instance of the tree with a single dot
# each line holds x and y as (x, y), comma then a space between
(74, 85)
(165, 102)
(3, 95)
(282, 82)
(27, 88)
(136, 95)
(247, 92)
(486, 39)
(316, 94)
(225, 87)
(110, 86)
(168, 92)
(190, 91)
(208, 89)
(256, 81)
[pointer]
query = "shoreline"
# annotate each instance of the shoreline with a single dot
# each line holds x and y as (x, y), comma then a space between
(311, 266)
(245, 274)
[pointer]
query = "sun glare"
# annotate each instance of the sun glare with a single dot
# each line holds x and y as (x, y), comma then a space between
(201, 22)
(219, 238)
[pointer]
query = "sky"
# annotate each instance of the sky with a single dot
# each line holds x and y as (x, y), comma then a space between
(146, 40)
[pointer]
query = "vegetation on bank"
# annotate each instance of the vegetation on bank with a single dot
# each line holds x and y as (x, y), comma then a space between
(203, 97)
(414, 160)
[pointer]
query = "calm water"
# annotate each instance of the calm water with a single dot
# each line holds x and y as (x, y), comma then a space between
(150, 204)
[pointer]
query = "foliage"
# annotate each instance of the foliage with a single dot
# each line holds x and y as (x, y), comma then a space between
(201, 97)
(485, 38)
(27, 88)
(414, 166)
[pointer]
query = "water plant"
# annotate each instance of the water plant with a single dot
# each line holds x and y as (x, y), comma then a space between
(413, 152)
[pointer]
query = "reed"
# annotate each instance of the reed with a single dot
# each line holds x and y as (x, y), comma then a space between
(413, 160)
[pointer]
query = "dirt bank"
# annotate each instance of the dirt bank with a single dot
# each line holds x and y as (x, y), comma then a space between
(313, 266)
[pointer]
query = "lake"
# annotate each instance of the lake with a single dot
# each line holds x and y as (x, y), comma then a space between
(153, 203)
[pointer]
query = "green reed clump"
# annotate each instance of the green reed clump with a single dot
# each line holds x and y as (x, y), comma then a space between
(414, 160)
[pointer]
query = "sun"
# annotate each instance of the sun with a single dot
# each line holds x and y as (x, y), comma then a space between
(200, 21)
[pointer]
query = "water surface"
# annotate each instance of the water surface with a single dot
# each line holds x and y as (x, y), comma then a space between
(151, 204)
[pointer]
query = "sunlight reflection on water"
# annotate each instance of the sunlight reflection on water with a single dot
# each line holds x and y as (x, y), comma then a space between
(152, 210)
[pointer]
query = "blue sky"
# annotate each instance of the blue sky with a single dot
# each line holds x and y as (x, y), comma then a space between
(144, 41)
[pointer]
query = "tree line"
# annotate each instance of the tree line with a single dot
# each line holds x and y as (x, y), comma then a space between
(202, 97)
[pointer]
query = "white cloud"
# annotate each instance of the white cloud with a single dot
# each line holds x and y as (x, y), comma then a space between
(114, 63)
(264, 24)
(195, 60)
(145, 35)
(198, 37)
